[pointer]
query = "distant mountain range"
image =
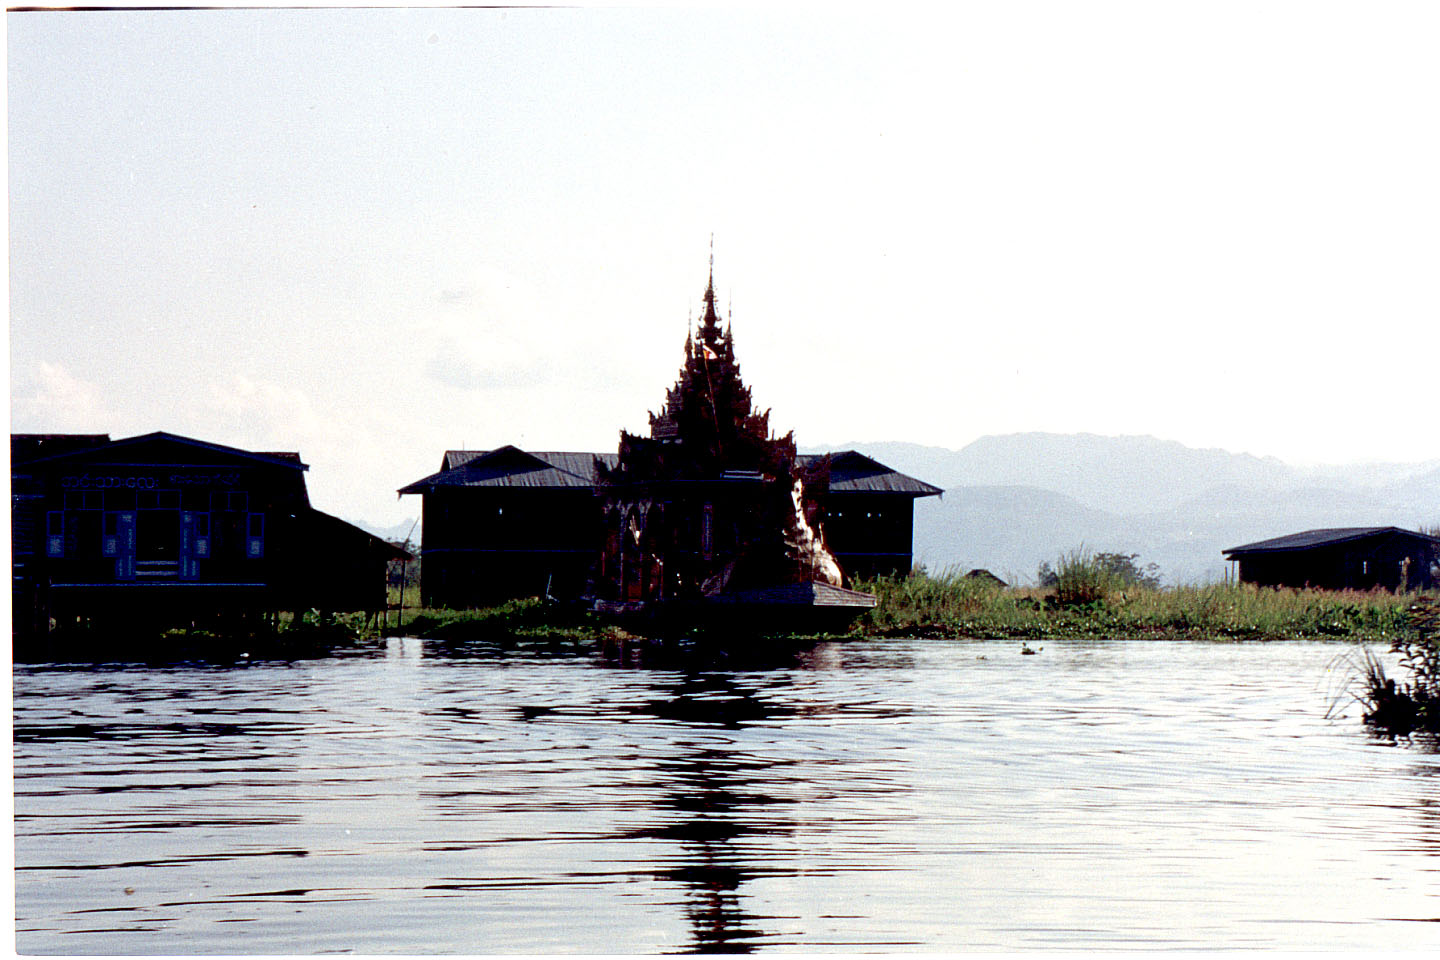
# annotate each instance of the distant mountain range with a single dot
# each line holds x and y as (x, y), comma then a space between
(394, 534)
(1016, 500)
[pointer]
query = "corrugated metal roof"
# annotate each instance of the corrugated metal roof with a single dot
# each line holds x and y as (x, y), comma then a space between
(510, 466)
(852, 472)
(570, 461)
(336, 529)
(1322, 538)
(159, 436)
(458, 458)
(32, 446)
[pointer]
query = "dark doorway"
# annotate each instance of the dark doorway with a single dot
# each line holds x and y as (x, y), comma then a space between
(157, 535)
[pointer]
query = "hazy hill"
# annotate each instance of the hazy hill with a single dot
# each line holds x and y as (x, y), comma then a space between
(1014, 501)
(1001, 528)
(1119, 474)
(395, 534)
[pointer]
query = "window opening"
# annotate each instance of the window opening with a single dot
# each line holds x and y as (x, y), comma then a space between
(117, 540)
(194, 542)
(158, 499)
(55, 534)
(119, 499)
(255, 536)
(157, 534)
(202, 534)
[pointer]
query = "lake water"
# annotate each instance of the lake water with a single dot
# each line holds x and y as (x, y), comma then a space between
(888, 795)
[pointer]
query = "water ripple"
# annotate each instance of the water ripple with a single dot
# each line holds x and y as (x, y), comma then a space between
(861, 796)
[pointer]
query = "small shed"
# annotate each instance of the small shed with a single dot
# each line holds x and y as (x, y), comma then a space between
(1342, 558)
(985, 576)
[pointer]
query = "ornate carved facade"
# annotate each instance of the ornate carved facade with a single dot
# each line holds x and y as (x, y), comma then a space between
(711, 502)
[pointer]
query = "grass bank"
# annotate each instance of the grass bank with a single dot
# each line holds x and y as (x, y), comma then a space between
(529, 619)
(1083, 604)
(952, 605)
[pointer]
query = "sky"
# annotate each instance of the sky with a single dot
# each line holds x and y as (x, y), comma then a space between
(371, 235)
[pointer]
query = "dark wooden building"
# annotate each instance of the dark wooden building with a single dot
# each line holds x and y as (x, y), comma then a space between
(505, 523)
(1342, 558)
(870, 514)
(708, 494)
(165, 528)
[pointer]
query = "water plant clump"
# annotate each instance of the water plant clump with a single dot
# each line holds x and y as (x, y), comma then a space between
(1414, 706)
(1081, 577)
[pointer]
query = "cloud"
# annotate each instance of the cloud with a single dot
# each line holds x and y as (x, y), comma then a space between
(492, 331)
(60, 403)
(262, 413)
(461, 369)
(347, 446)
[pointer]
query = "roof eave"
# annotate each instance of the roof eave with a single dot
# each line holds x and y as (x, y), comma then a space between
(295, 464)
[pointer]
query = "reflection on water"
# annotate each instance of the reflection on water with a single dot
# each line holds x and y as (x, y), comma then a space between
(716, 812)
(890, 795)
(731, 812)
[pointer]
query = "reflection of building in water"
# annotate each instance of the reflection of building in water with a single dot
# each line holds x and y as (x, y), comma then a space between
(735, 814)
(722, 809)
(713, 814)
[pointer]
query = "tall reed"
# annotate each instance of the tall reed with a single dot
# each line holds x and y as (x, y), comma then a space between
(1404, 708)
(1080, 579)
(950, 604)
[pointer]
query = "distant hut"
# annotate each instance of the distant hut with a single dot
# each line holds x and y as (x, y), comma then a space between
(986, 577)
(1342, 558)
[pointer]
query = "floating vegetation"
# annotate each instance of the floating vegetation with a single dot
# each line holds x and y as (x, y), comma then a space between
(530, 619)
(1414, 706)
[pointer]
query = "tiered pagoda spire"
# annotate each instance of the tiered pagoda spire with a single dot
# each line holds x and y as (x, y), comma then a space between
(710, 501)
(708, 417)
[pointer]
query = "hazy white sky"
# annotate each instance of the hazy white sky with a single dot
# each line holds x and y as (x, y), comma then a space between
(371, 235)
